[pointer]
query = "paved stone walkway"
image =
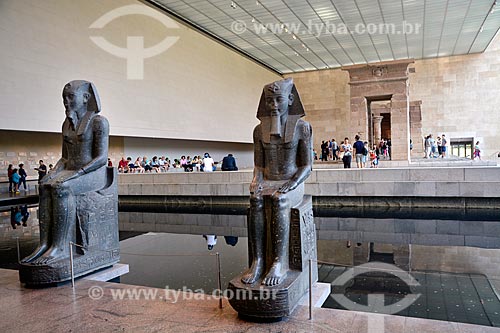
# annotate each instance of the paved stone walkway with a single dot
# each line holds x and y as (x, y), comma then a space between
(62, 309)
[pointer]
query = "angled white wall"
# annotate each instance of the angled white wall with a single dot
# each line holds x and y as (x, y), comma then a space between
(197, 89)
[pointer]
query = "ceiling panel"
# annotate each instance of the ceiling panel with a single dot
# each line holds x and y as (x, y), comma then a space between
(299, 35)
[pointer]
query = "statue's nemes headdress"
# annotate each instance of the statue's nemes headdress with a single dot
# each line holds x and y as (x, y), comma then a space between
(270, 125)
(284, 87)
(94, 103)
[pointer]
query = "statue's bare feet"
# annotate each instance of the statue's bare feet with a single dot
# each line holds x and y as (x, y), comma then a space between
(276, 275)
(51, 255)
(253, 273)
(38, 252)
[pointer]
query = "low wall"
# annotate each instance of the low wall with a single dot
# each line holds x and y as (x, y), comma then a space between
(445, 182)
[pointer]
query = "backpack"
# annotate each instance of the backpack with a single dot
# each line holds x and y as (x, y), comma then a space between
(365, 151)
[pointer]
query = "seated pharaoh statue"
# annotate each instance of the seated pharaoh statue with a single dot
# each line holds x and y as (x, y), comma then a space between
(78, 198)
(281, 234)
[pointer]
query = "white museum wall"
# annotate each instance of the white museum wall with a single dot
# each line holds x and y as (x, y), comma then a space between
(196, 90)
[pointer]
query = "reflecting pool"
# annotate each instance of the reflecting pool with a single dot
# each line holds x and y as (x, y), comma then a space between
(453, 282)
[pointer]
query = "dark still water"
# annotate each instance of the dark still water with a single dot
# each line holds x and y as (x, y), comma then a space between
(454, 259)
(177, 260)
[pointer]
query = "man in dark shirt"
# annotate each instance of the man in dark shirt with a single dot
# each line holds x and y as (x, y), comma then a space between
(42, 171)
(324, 151)
(23, 175)
(359, 147)
(229, 163)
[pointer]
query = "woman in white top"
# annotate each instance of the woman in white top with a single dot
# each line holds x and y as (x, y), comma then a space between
(347, 149)
(138, 166)
(208, 163)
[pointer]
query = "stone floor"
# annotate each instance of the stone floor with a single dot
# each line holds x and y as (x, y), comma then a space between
(62, 309)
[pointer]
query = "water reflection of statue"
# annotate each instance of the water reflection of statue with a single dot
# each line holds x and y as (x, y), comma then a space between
(81, 169)
(283, 161)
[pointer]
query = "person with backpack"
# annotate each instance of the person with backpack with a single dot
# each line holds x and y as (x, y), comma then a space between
(444, 142)
(22, 175)
(359, 147)
(335, 150)
(374, 157)
(324, 151)
(365, 155)
(15, 180)
(477, 151)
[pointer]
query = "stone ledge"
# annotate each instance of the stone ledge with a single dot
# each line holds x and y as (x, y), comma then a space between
(428, 182)
(454, 173)
(346, 188)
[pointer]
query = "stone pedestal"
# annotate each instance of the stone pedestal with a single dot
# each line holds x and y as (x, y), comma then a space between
(97, 230)
(259, 302)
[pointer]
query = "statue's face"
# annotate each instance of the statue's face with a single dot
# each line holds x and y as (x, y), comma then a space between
(278, 103)
(74, 100)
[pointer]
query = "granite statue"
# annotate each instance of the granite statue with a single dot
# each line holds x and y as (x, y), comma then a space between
(283, 158)
(78, 198)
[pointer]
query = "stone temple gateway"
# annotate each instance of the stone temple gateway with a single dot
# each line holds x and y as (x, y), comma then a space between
(382, 82)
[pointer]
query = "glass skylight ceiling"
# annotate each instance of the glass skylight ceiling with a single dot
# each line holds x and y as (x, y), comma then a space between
(300, 35)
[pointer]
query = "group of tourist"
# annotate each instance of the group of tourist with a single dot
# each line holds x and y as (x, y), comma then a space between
(212, 240)
(329, 150)
(163, 164)
(19, 214)
(364, 156)
(384, 148)
(17, 176)
(435, 148)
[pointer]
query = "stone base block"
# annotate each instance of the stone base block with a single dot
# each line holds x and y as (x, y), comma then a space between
(259, 302)
(96, 232)
(60, 271)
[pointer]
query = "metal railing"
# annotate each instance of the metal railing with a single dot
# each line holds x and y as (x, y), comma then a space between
(217, 256)
(72, 267)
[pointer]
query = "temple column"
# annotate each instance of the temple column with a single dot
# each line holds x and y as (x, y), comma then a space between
(377, 129)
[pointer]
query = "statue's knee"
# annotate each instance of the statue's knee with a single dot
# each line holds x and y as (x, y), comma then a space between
(256, 201)
(44, 188)
(280, 201)
(61, 189)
